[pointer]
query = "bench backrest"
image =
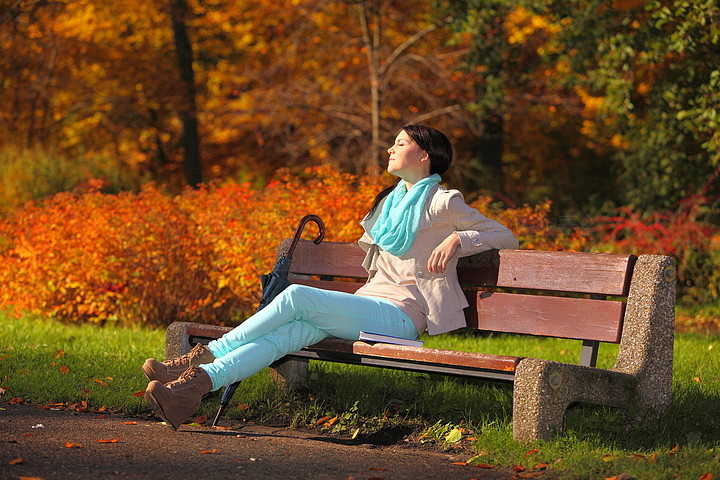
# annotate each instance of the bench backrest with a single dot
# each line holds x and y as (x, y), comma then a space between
(575, 295)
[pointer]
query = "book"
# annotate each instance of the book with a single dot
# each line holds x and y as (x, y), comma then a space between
(377, 337)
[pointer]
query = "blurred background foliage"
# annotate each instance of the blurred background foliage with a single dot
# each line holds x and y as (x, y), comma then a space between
(603, 115)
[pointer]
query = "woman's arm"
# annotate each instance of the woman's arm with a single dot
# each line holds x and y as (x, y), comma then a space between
(474, 233)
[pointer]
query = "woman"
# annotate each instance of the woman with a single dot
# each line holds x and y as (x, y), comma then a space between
(414, 234)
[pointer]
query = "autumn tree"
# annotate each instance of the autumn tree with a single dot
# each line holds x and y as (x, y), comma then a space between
(529, 142)
(650, 71)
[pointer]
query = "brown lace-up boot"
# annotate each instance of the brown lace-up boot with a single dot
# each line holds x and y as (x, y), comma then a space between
(179, 399)
(170, 370)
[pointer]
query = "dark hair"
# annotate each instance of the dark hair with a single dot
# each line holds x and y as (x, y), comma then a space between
(434, 143)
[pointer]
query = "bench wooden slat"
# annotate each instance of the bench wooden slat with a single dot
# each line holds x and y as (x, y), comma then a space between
(580, 272)
(347, 287)
(419, 354)
(565, 317)
(334, 259)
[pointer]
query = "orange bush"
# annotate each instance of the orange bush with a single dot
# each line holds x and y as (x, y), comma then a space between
(152, 258)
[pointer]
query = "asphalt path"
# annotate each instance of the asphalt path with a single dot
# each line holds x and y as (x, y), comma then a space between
(37, 443)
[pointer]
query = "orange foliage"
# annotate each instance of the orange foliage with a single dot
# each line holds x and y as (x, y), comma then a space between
(152, 258)
(533, 227)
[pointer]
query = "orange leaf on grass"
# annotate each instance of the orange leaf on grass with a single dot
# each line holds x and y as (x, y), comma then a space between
(331, 422)
(323, 419)
(141, 393)
(64, 370)
(243, 406)
(706, 476)
(518, 468)
(541, 466)
(675, 449)
(531, 452)
(59, 354)
(97, 380)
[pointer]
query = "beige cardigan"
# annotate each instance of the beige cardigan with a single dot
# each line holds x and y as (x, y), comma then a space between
(445, 212)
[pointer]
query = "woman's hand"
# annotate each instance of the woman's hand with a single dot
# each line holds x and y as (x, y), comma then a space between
(439, 258)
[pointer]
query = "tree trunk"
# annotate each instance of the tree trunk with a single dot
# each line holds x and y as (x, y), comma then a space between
(188, 110)
(371, 39)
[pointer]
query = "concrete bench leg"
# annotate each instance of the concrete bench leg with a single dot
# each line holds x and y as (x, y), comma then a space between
(290, 373)
(543, 390)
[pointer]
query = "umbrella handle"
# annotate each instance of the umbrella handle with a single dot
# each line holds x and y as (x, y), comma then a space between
(301, 227)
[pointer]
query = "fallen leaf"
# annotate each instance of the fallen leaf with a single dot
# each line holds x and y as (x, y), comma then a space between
(518, 468)
(141, 393)
(114, 440)
(460, 463)
(355, 433)
(541, 466)
(453, 436)
(653, 458)
(381, 469)
(193, 424)
(210, 452)
(65, 370)
(97, 380)
(675, 449)
(323, 420)
(17, 461)
(706, 476)
(129, 423)
(697, 379)
(86, 391)
(243, 406)
(59, 354)
(482, 465)
(201, 419)
(531, 452)
(72, 445)
(331, 422)
(15, 401)
(609, 458)
(30, 478)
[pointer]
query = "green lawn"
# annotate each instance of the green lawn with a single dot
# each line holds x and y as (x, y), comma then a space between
(46, 362)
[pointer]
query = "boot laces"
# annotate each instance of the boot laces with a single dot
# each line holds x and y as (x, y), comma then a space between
(183, 359)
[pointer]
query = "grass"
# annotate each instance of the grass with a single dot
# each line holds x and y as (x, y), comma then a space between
(46, 362)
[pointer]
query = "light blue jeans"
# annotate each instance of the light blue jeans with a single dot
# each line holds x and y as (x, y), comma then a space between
(300, 316)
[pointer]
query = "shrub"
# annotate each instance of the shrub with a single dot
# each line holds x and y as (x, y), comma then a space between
(681, 234)
(33, 173)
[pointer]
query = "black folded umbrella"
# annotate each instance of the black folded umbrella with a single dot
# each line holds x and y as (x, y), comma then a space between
(272, 284)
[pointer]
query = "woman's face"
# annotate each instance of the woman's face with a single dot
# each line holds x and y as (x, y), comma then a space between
(407, 160)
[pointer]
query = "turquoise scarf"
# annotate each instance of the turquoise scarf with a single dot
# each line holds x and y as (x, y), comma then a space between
(395, 228)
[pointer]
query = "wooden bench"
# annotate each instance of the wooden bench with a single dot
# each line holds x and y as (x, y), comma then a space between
(590, 297)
